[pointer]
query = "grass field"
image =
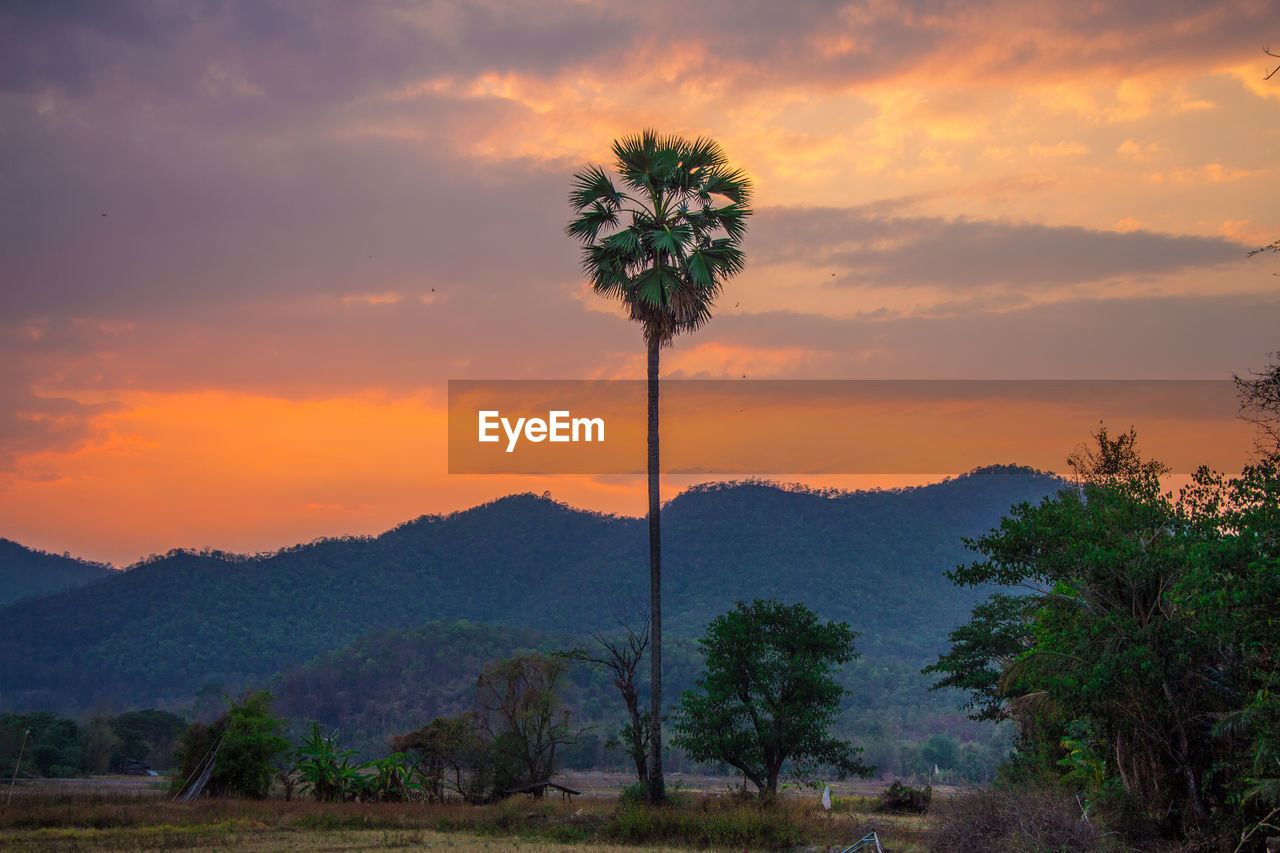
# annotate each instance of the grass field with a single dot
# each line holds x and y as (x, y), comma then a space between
(123, 817)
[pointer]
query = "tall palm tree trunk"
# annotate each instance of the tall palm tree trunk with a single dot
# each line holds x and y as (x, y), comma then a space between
(657, 789)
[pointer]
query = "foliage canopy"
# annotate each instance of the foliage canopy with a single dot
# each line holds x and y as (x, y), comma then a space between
(664, 243)
(1141, 652)
(768, 699)
(246, 743)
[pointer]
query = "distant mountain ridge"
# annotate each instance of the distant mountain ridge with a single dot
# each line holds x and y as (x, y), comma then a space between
(28, 573)
(170, 625)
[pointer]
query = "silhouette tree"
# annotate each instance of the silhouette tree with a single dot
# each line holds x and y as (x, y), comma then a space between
(622, 657)
(663, 244)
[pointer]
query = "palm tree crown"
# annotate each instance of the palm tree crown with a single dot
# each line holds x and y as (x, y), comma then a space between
(666, 245)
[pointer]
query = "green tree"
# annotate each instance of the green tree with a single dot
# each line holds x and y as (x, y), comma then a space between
(49, 745)
(1231, 592)
(664, 245)
(1141, 661)
(522, 711)
(940, 751)
(246, 743)
(394, 778)
(768, 699)
(457, 754)
(98, 746)
(252, 742)
(446, 748)
(149, 735)
(1107, 653)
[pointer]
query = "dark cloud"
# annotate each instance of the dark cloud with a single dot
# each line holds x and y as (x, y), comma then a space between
(103, 224)
(324, 52)
(72, 46)
(903, 251)
(300, 55)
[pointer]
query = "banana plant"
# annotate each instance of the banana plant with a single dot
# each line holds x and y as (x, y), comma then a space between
(325, 770)
(393, 779)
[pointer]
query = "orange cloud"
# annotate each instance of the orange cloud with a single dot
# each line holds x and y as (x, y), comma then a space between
(385, 298)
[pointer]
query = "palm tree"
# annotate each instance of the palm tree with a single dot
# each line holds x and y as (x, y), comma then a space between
(663, 246)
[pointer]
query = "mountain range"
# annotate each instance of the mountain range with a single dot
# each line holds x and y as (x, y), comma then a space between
(160, 631)
(28, 573)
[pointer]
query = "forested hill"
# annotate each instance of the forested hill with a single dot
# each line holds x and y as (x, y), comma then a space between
(168, 626)
(27, 573)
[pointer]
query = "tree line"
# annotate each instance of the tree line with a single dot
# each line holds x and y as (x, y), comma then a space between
(764, 705)
(43, 743)
(1134, 637)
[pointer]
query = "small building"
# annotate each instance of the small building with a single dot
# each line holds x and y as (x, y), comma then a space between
(539, 789)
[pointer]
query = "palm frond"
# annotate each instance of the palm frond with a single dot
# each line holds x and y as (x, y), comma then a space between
(651, 286)
(592, 186)
(626, 241)
(734, 185)
(703, 154)
(606, 269)
(700, 270)
(671, 240)
(724, 257)
(587, 227)
(732, 219)
(638, 159)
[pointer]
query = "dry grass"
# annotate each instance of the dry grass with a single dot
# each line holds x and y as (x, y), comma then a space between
(106, 819)
(1023, 820)
(268, 840)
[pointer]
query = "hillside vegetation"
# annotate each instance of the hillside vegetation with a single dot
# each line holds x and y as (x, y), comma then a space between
(159, 632)
(28, 573)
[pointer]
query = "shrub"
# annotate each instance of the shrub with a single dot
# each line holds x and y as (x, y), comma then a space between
(250, 740)
(1003, 820)
(635, 794)
(905, 799)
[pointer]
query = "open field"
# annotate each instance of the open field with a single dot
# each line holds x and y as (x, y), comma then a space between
(124, 815)
(598, 783)
(267, 840)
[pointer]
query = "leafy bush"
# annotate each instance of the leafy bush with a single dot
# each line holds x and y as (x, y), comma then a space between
(326, 771)
(904, 798)
(245, 743)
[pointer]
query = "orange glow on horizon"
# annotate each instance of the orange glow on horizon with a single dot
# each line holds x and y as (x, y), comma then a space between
(250, 473)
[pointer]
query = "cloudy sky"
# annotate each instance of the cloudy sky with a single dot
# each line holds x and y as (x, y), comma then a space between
(243, 246)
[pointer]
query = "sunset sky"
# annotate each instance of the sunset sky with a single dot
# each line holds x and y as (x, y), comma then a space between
(244, 246)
